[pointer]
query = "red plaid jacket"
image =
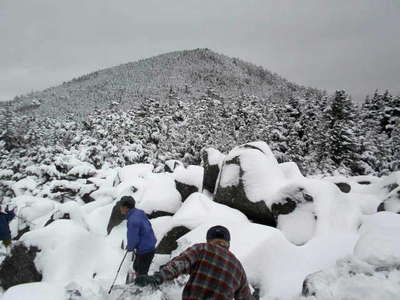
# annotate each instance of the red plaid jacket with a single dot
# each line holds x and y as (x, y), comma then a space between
(215, 273)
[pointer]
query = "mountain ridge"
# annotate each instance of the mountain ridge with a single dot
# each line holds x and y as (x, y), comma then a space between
(186, 74)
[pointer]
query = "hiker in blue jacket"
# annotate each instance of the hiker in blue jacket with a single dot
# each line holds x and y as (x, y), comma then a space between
(5, 219)
(141, 238)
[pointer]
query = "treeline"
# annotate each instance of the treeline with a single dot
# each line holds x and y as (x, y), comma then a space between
(322, 134)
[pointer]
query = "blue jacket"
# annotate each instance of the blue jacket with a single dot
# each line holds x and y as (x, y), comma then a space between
(140, 233)
(5, 218)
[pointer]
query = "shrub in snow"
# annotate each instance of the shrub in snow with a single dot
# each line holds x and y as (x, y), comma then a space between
(85, 170)
(211, 160)
(19, 267)
(6, 174)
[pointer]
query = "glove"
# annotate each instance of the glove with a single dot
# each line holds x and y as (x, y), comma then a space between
(144, 280)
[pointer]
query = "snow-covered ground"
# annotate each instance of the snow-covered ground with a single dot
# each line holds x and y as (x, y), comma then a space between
(338, 241)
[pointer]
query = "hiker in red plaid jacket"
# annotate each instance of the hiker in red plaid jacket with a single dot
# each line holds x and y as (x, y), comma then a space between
(215, 273)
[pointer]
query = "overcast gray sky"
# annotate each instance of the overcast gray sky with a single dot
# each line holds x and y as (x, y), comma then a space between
(328, 44)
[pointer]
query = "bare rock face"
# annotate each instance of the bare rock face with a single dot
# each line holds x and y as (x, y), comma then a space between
(344, 187)
(116, 217)
(168, 243)
(185, 189)
(211, 161)
(19, 267)
(171, 165)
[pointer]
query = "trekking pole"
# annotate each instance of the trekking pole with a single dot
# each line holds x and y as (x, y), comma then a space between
(115, 279)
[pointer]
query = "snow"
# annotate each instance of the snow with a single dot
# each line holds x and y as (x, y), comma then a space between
(229, 175)
(299, 226)
(392, 202)
(199, 209)
(159, 193)
(290, 170)
(340, 235)
(379, 242)
(23, 186)
(65, 241)
(85, 169)
(35, 291)
(353, 279)
(130, 172)
(215, 157)
(192, 175)
(6, 173)
(262, 177)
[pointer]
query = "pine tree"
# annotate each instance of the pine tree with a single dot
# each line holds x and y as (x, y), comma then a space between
(342, 144)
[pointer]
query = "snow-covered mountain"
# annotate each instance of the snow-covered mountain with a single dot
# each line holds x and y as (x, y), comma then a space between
(151, 129)
(183, 74)
(329, 238)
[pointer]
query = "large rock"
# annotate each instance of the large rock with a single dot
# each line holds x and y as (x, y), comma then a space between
(171, 165)
(391, 202)
(116, 217)
(212, 161)
(185, 190)
(168, 243)
(344, 187)
(294, 212)
(309, 288)
(188, 180)
(352, 278)
(19, 267)
(250, 176)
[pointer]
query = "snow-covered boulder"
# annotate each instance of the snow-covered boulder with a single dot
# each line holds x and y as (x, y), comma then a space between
(309, 207)
(295, 214)
(379, 242)
(171, 165)
(212, 161)
(354, 279)
(391, 202)
(198, 209)
(69, 252)
(169, 240)
(19, 267)
(24, 186)
(290, 170)
(188, 180)
(249, 177)
(132, 172)
(35, 291)
(158, 193)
